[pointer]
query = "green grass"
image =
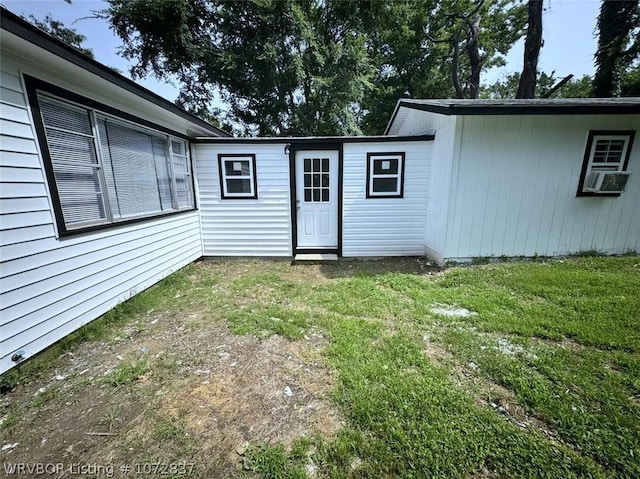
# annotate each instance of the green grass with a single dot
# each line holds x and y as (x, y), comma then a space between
(408, 416)
(562, 338)
(127, 372)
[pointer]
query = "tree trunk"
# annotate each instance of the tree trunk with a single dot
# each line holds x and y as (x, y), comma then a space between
(455, 78)
(527, 85)
(474, 56)
(615, 21)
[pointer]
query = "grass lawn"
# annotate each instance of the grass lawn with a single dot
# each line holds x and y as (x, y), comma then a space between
(539, 378)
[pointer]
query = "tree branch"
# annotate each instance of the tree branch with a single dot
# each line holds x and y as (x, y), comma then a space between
(557, 86)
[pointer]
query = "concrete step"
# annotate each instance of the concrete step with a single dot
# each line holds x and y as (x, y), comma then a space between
(315, 258)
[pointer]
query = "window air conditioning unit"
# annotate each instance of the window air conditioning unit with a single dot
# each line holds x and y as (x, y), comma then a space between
(606, 181)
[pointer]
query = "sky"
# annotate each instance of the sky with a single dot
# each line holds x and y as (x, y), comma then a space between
(568, 34)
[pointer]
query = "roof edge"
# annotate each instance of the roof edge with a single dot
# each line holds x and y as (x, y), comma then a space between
(314, 139)
(393, 117)
(16, 25)
(521, 109)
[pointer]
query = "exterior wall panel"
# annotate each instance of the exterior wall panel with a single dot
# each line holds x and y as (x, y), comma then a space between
(385, 226)
(514, 183)
(444, 127)
(245, 227)
(50, 287)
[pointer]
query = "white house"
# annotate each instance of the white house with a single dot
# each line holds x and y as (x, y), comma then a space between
(529, 177)
(350, 197)
(96, 191)
(105, 188)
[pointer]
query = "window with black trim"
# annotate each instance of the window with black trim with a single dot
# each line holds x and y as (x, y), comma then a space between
(104, 170)
(385, 175)
(604, 169)
(238, 176)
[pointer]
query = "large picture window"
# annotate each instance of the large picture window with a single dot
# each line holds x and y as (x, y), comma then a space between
(106, 170)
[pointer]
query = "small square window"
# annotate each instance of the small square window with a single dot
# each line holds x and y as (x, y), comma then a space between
(604, 169)
(238, 176)
(385, 175)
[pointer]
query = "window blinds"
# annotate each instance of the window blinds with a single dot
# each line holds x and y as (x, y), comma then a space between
(107, 170)
(75, 163)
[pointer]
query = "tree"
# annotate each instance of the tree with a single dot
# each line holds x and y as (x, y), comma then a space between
(284, 67)
(311, 67)
(474, 47)
(57, 29)
(406, 64)
(507, 87)
(630, 84)
(409, 64)
(618, 22)
(533, 42)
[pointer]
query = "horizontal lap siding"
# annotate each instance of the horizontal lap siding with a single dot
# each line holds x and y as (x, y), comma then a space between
(385, 226)
(245, 227)
(51, 287)
(514, 189)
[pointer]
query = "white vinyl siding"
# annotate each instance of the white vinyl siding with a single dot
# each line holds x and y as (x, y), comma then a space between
(259, 227)
(413, 122)
(385, 226)
(50, 287)
(107, 170)
(514, 183)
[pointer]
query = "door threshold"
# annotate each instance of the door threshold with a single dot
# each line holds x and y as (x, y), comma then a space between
(315, 258)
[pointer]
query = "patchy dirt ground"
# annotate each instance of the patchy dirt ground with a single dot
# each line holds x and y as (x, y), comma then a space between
(204, 394)
(189, 376)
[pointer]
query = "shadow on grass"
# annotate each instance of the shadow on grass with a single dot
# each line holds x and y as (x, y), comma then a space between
(347, 268)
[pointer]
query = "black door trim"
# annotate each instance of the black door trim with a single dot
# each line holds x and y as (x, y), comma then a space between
(293, 148)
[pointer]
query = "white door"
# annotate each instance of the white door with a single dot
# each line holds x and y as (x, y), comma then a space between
(317, 199)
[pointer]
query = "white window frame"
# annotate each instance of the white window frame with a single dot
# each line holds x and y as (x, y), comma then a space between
(188, 174)
(223, 159)
(590, 166)
(98, 165)
(110, 221)
(399, 175)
